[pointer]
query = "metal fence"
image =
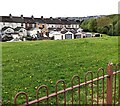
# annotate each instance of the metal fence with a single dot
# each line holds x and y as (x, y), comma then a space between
(105, 92)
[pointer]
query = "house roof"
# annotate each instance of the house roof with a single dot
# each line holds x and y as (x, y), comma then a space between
(29, 20)
(6, 19)
(78, 33)
(39, 20)
(32, 20)
(73, 31)
(18, 20)
(18, 28)
(12, 19)
(63, 29)
(4, 28)
(63, 32)
(15, 19)
(65, 21)
(79, 30)
(52, 21)
(73, 22)
(68, 32)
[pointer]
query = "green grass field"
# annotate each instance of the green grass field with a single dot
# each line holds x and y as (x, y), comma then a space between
(27, 65)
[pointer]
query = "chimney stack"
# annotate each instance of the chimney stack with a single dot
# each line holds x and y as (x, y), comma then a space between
(41, 17)
(10, 15)
(66, 18)
(51, 18)
(59, 18)
(32, 17)
(21, 16)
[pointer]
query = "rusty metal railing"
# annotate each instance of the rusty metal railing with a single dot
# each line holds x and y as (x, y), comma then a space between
(111, 96)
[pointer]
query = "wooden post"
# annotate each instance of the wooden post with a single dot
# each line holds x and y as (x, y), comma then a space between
(109, 83)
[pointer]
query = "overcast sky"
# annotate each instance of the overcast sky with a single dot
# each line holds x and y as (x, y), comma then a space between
(58, 8)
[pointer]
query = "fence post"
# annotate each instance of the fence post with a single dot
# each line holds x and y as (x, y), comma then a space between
(109, 83)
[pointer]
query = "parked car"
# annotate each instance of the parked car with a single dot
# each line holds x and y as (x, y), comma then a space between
(97, 35)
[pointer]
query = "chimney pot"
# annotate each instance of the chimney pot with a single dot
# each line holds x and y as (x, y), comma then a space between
(32, 17)
(21, 16)
(42, 17)
(10, 15)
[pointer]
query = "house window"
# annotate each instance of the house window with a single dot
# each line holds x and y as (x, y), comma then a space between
(28, 24)
(21, 24)
(68, 26)
(72, 26)
(33, 25)
(76, 26)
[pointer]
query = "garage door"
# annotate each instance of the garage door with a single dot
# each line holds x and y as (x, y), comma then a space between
(68, 36)
(78, 36)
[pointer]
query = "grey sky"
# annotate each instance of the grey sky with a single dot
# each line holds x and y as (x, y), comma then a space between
(56, 8)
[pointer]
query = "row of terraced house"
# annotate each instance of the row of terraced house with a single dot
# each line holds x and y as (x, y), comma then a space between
(38, 28)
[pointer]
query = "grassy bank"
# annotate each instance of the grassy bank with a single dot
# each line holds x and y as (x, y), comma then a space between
(27, 65)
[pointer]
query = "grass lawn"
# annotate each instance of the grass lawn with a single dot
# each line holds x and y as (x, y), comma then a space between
(27, 65)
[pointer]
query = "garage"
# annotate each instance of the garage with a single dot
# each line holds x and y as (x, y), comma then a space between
(56, 35)
(68, 36)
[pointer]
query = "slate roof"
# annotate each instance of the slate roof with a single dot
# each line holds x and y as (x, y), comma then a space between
(39, 20)
(18, 20)
(13, 19)
(6, 19)
(65, 21)
(4, 28)
(73, 31)
(31, 20)
(63, 32)
(52, 21)
(18, 28)
(73, 22)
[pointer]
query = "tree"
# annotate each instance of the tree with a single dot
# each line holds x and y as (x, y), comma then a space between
(117, 28)
(92, 25)
(84, 25)
(104, 21)
(108, 25)
(105, 30)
